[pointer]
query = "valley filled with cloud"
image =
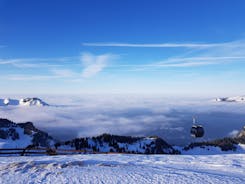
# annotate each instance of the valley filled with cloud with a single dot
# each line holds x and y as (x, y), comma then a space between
(136, 115)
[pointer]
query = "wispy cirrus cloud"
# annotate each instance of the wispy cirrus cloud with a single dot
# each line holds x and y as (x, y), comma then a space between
(201, 54)
(94, 64)
(7, 62)
(227, 53)
(179, 62)
(37, 62)
(155, 45)
(197, 61)
(57, 68)
(28, 77)
(64, 73)
(53, 74)
(90, 64)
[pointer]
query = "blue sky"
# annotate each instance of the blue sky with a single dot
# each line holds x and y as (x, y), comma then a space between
(168, 47)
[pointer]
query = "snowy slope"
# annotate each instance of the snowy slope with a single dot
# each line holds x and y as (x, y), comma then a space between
(122, 168)
(20, 135)
(211, 150)
(23, 140)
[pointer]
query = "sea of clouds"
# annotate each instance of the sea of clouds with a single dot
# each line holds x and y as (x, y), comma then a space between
(136, 115)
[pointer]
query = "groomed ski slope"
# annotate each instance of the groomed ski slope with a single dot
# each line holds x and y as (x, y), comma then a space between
(123, 168)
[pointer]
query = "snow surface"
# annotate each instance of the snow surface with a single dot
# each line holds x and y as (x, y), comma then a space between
(123, 168)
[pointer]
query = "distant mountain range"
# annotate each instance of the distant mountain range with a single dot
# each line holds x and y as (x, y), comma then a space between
(231, 99)
(23, 102)
(120, 144)
(22, 135)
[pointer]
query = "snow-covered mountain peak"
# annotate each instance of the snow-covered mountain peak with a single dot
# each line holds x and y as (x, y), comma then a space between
(8, 101)
(23, 102)
(231, 99)
(32, 102)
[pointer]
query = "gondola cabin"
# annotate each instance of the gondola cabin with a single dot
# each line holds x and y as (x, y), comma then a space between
(197, 131)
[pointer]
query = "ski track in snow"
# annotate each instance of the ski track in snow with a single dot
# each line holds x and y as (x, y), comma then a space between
(124, 168)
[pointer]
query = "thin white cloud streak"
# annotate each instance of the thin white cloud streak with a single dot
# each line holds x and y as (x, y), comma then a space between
(35, 65)
(204, 58)
(30, 77)
(94, 64)
(177, 63)
(226, 53)
(161, 45)
(7, 62)
(91, 65)
(55, 74)
(64, 73)
(191, 45)
(183, 62)
(38, 62)
(197, 61)
(201, 55)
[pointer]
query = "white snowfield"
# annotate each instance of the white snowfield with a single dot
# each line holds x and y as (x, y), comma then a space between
(124, 168)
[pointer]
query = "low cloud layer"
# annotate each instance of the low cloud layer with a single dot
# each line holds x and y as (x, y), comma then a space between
(92, 115)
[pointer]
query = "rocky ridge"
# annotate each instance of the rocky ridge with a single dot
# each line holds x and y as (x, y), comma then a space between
(10, 131)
